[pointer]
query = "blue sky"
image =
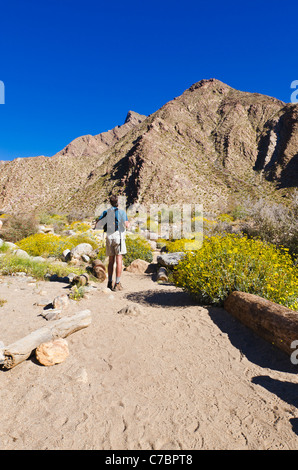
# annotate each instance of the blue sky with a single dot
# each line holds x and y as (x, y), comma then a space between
(73, 67)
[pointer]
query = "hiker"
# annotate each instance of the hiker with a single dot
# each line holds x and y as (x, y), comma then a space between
(114, 221)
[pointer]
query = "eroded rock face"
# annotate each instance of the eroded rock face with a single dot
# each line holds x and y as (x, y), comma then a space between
(52, 352)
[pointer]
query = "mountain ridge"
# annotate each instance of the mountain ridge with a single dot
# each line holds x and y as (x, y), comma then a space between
(209, 145)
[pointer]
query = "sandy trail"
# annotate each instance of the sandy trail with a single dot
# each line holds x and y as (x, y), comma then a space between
(175, 376)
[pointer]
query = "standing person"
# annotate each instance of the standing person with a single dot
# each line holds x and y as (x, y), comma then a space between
(114, 222)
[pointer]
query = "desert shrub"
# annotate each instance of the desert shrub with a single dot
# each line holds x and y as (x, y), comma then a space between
(4, 248)
(101, 253)
(228, 263)
(225, 218)
(183, 244)
(10, 264)
(239, 212)
(137, 248)
(45, 244)
(275, 223)
(50, 219)
(17, 227)
(79, 226)
(77, 293)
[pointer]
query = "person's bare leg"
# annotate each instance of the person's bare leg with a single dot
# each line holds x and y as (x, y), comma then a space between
(111, 269)
(118, 272)
(118, 266)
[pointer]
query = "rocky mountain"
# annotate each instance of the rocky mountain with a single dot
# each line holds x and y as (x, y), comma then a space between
(211, 145)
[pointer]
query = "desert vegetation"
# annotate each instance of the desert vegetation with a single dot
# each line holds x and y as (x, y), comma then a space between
(251, 247)
(38, 246)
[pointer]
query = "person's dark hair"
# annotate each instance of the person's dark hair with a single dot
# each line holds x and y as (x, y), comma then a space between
(114, 200)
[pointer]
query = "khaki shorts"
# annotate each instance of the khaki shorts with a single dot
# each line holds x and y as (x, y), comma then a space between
(113, 244)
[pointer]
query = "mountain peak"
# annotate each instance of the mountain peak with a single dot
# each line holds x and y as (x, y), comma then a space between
(134, 118)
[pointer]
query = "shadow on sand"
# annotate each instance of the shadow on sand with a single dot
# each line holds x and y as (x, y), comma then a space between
(253, 347)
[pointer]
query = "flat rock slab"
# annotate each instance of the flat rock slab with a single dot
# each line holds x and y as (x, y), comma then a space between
(170, 259)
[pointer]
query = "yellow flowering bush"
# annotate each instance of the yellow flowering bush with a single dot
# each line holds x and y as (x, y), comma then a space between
(46, 244)
(229, 262)
(79, 226)
(225, 218)
(183, 244)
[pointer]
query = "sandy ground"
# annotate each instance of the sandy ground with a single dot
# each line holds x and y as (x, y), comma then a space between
(175, 376)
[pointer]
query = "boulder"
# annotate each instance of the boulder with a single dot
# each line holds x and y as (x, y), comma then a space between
(11, 245)
(52, 352)
(138, 266)
(61, 302)
(81, 249)
(170, 259)
(70, 277)
(38, 259)
(273, 322)
(21, 253)
(51, 314)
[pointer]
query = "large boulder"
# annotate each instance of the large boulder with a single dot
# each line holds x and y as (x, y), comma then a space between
(138, 266)
(81, 249)
(170, 259)
(21, 253)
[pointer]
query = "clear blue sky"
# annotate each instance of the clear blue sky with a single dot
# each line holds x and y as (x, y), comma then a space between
(77, 67)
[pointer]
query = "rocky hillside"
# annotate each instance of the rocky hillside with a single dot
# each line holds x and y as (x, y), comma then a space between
(211, 145)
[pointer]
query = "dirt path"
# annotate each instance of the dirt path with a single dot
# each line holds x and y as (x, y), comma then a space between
(174, 376)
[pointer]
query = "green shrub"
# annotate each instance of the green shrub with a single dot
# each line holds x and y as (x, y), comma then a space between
(10, 264)
(77, 293)
(51, 219)
(226, 263)
(137, 248)
(102, 253)
(4, 248)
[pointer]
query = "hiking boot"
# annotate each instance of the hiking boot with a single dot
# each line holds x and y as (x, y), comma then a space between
(117, 287)
(110, 285)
